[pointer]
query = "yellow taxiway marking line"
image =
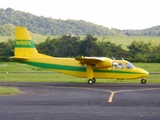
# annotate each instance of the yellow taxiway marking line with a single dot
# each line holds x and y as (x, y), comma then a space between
(113, 92)
(111, 96)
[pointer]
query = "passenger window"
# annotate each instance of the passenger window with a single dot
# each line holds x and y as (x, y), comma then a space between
(120, 66)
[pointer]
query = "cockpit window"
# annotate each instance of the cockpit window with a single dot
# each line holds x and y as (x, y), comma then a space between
(120, 66)
(129, 65)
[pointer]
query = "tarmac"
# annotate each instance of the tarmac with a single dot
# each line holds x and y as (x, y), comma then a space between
(80, 101)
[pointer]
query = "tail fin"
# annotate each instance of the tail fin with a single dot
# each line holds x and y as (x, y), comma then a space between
(24, 46)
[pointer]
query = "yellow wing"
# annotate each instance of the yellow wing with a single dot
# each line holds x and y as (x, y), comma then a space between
(89, 60)
(98, 62)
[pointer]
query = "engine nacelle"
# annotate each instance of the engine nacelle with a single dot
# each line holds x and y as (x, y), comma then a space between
(107, 63)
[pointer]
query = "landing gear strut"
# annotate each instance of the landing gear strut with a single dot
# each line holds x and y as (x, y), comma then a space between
(143, 81)
(91, 81)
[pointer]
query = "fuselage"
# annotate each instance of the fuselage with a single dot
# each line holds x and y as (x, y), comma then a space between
(70, 66)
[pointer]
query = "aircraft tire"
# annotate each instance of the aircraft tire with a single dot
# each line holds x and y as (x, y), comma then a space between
(143, 81)
(90, 81)
(94, 80)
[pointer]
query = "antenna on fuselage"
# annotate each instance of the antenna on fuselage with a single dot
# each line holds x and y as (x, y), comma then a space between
(122, 58)
(113, 58)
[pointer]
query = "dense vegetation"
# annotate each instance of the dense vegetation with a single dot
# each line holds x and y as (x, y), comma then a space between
(49, 26)
(73, 46)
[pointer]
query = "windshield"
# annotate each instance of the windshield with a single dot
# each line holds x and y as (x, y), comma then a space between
(129, 65)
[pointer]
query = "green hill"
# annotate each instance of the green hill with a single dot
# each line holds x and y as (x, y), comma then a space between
(153, 31)
(48, 26)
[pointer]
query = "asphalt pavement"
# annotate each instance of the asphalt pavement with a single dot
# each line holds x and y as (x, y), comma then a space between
(80, 101)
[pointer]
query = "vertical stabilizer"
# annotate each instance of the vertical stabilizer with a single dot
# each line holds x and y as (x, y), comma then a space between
(24, 46)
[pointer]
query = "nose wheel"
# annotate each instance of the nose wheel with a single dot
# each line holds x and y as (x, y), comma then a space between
(143, 81)
(91, 81)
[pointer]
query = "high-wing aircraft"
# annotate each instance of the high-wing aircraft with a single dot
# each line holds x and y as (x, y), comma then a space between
(87, 67)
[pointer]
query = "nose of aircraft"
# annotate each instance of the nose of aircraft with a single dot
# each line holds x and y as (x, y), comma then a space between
(145, 72)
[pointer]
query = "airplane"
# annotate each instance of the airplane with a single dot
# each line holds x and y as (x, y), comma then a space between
(86, 67)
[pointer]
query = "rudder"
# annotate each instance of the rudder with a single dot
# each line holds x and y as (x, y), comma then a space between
(24, 46)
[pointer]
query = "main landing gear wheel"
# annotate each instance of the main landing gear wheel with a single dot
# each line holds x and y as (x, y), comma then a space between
(91, 81)
(94, 80)
(143, 81)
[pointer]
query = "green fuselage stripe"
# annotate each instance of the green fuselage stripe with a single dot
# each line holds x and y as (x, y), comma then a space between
(24, 44)
(74, 68)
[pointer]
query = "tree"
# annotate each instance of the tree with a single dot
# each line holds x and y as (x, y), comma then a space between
(140, 47)
(88, 46)
(6, 50)
(115, 50)
(64, 46)
(49, 47)
(9, 48)
(68, 45)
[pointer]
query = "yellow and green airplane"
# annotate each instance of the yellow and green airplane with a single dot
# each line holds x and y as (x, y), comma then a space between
(87, 67)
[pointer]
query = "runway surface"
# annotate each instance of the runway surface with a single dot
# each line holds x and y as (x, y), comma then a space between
(80, 101)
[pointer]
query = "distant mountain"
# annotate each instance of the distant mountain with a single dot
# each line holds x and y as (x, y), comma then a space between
(9, 18)
(48, 26)
(153, 31)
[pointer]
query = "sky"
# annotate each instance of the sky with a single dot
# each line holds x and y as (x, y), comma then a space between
(120, 14)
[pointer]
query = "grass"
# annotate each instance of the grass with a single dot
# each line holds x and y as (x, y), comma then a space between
(9, 90)
(57, 77)
(127, 40)
(14, 66)
(150, 67)
(16, 72)
(36, 38)
(5, 38)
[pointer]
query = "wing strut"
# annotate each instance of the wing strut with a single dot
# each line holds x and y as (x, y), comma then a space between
(89, 71)
(91, 80)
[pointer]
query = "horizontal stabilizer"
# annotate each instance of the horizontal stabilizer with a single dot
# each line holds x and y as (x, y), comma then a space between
(18, 58)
